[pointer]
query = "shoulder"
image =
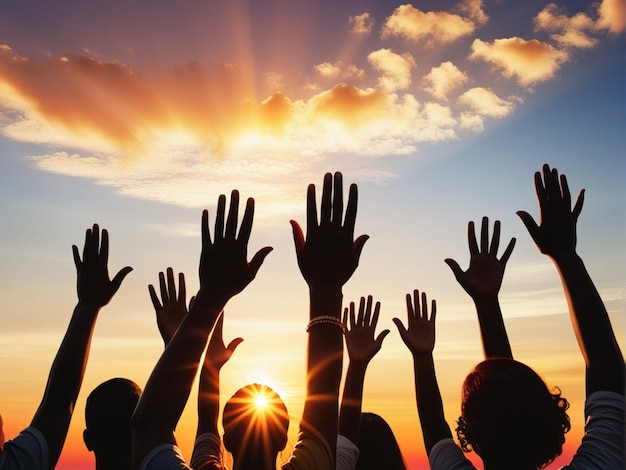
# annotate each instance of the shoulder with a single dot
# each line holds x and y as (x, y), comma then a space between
(446, 454)
(164, 457)
(28, 450)
(311, 452)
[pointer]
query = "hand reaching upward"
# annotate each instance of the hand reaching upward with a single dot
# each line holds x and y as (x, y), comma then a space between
(419, 335)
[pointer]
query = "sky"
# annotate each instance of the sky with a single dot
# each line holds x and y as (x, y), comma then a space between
(138, 115)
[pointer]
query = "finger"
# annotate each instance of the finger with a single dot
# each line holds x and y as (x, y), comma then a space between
(298, 237)
(530, 223)
(352, 315)
(400, 326)
(154, 297)
(257, 260)
(495, 239)
(94, 242)
(163, 287)
(337, 216)
(424, 312)
(311, 209)
(116, 282)
(454, 266)
(379, 339)
(484, 235)
(204, 228)
(368, 311)
(351, 208)
(509, 249)
(325, 212)
(77, 262)
(375, 315)
(433, 310)
(233, 215)
(578, 207)
(246, 222)
(358, 245)
(171, 285)
(182, 290)
(361, 318)
(471, 239)
(344, 318)
(540, 190)
(104, 248)
(219, 218)
(191, 301)
(87, 244)
(233, 344)
(552, 184)
(410, 313)
(565, 194)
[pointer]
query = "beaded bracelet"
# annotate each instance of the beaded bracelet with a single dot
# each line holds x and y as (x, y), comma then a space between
(325, 319)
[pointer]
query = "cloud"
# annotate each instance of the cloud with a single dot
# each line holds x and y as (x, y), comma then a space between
(339, 70)
(612, 16)
(486, 103)
(395, 68)
(567, 31)
(440, 81)
(433, 27)
(362, 24)
(529, 62)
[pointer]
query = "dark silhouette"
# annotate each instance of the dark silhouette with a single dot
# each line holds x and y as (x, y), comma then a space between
(378, 447)
(107, 418)
(362, 346)
(224, 272)
(39, 446)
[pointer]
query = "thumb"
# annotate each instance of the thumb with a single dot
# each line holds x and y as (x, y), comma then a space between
(298, 236)
(258, 258)
(116, 282)
(359, 243)
(400, 326)
(233, 344)
(454, 266)
(529, 222)
(379, 339)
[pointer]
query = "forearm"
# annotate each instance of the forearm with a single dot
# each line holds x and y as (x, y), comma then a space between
(429, 403)
(64, 381)
(492, 330)
(592, 327)
(169, 385)
(208, 400)
(324, 364)
(351, 402)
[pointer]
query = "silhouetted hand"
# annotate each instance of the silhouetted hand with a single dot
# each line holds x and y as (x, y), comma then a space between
(485, 272)
(93, 285)
(224, 268)
(360, 329)
(217, 353)
(329, 254)
(171, 309)
(556, 233)
(419, 336)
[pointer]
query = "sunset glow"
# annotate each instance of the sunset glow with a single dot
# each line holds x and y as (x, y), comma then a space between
(139, 115)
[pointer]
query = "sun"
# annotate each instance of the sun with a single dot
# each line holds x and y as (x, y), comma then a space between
(261, 402)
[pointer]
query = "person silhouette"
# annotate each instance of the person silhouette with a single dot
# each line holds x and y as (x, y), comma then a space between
(39, 446)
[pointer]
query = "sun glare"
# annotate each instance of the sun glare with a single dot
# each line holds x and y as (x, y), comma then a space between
(261, 401)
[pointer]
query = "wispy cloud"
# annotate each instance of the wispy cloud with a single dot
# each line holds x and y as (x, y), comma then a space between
(362, 24)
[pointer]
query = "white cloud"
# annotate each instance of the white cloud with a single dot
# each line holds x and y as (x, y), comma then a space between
(395, 68)
(443, 79)
(566, 31)
(362, 24)
(486, 103)
(612, 16)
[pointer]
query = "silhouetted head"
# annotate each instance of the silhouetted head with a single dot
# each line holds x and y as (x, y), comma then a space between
(378, 447)
(107, 417)
(255, 423)
(507, 412)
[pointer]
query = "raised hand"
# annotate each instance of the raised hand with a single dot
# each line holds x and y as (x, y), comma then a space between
(360, 329)
(171, 309)
(329, 254)
(485, 272)
(419, 335)
(224, 268)
(93, 285)
(218, 353)
(556, 233)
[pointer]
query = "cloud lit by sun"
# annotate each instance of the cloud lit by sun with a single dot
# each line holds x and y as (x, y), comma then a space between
(166, 131)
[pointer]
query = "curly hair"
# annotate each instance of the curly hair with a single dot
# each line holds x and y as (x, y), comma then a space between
(508, 410)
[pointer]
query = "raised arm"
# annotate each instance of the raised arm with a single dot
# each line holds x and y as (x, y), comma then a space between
(95, 290)
(327, 258)
(362, 345)
(419, 337)
(217, 355)
(224, 272)
(482, 282)
(555, 237)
